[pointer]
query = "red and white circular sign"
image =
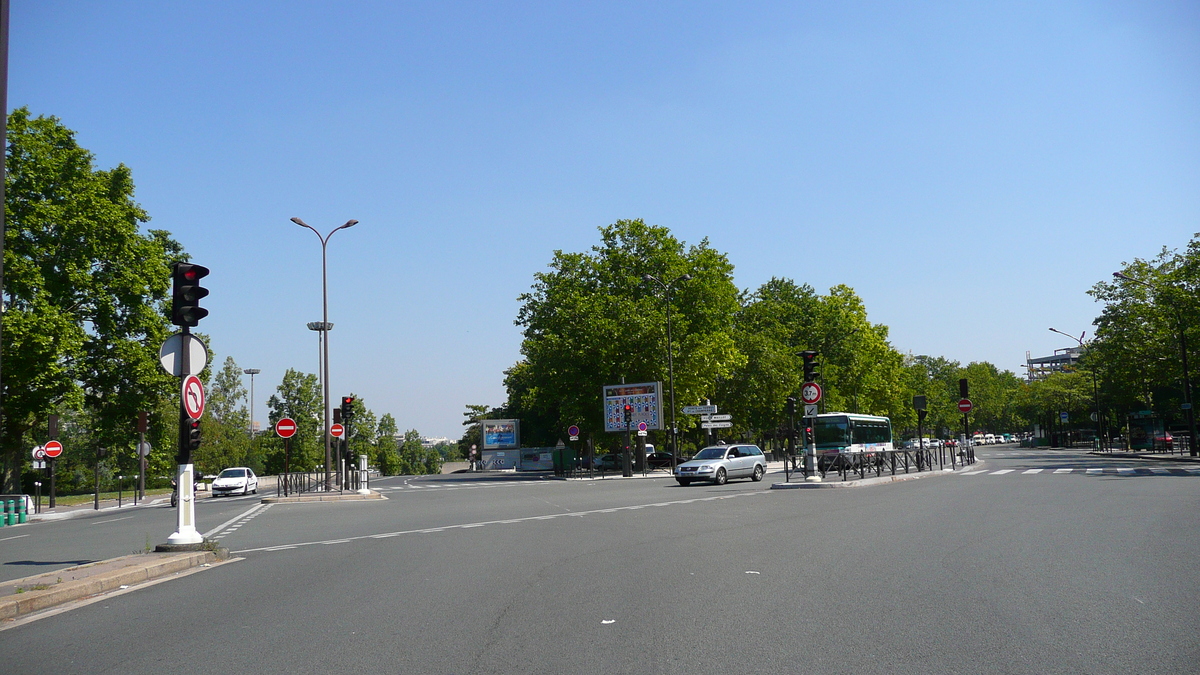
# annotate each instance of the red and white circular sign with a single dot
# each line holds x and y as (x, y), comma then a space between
(193, 397)
(286, 427)
(965, 406)
(52, 448)
(39, 453)
(337, 430)
(810, 393)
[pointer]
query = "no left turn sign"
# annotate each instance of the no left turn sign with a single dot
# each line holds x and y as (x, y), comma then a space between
(193, 397)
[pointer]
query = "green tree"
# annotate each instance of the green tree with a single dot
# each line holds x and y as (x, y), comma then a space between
(225, 427)
(84, 291)
(385, 445)
(298, 397)
(592, 320)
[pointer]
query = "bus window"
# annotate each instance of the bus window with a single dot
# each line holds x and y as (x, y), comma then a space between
(831, 433)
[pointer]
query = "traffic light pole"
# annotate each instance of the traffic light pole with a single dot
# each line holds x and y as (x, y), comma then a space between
(185, 514)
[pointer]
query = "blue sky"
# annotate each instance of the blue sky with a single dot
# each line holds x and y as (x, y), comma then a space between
(970, 169)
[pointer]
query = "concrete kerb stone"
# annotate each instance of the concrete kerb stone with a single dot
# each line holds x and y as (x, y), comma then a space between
(324, 497)
(20, 597)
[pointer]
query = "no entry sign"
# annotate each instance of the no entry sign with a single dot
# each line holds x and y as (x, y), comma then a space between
(286, 427)
(337, 430)
(965, 406)
(52, 448)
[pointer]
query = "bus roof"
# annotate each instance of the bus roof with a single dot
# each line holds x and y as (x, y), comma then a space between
(854, 416)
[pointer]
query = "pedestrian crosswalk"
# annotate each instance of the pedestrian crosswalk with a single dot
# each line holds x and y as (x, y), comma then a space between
(1092, 471)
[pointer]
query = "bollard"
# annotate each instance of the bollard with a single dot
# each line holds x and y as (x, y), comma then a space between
(22, 511)
(6, 518)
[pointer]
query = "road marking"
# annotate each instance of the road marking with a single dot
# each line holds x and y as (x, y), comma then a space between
(1032, 471)
(1063, 470)
(973, 473)
(16, 537)
(497, 522)
(1161, 472)
(110, 520)
(1093, 472)
(245, 514)
(1124, 471)
(1001, 472)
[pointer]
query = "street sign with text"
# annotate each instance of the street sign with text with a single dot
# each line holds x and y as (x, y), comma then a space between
(715, 425)
(699, 409)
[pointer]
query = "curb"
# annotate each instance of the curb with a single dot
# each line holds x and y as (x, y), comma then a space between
(126, 571)
(324, 497)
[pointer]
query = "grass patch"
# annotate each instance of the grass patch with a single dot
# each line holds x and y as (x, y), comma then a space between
(127, 496)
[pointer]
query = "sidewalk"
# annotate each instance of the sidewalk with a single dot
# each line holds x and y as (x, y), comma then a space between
(61, 512)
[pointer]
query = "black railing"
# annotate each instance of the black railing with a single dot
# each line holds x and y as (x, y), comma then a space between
(301, 482)
(858, 465)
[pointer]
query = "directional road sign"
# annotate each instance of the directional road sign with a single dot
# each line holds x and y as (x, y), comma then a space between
(699, 409)
(717, 418)
(193, 397)
(810, 410)
(52, 448)
(286, 427)
(715, 425)
(965, 406)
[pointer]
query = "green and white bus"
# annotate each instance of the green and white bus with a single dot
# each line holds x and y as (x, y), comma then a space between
(838, 434)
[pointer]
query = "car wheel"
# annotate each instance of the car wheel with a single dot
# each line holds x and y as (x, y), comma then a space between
(684, 481)
(720, 478)
(758, 473)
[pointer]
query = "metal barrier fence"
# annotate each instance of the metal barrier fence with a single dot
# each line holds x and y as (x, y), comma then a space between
(296, 483)
(861, 464)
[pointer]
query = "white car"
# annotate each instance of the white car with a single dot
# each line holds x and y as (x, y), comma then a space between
(237, 480)
(719, 463)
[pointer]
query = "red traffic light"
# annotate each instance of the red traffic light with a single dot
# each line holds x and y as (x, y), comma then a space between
(628, 408)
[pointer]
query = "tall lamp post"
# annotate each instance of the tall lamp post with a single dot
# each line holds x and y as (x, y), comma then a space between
(670, 358)
(1187, 380)
(251, 372)
(1095, 388)
(325, 354)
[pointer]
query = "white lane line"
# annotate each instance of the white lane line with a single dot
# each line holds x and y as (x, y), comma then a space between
(973, 473)
(1063, 470)
(110, 520)
(244, 514)
(1126, 471)
(16, 537)
(1001, 472)
(1160, 472)
(1032, 471)
(1094, 472)
(493, 522)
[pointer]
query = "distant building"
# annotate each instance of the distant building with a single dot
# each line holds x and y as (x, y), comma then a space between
(429, 441)
(1043, 366)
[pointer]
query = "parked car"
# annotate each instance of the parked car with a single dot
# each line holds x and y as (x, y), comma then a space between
(609, 462)
(1164, 440)
(719, 463)
(236, 480)
(660, 460)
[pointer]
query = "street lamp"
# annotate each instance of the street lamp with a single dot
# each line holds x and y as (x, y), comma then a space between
(670, 359)
(1095, 388)
(1187, 380)
(325, 333)
(251, 372)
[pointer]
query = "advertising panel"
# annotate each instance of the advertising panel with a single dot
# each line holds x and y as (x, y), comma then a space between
(501, 434)
(645, 397)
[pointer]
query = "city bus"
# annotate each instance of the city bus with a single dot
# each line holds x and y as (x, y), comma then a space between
(838, 434)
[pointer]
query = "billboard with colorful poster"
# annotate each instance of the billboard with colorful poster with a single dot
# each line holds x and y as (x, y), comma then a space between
(645, 398)
(501, 434)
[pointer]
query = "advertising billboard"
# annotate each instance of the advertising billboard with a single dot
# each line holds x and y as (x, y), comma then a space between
(646, 399)
(501, 434)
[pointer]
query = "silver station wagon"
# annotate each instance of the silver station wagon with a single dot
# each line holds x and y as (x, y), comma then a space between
(719, 463)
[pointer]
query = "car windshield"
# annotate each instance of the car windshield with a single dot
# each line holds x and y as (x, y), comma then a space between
(710, 453)
(233, 473)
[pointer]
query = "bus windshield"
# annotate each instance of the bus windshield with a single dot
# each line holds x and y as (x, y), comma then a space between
(831, 433)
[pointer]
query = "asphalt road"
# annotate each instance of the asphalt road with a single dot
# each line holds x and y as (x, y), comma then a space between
(1047, 572)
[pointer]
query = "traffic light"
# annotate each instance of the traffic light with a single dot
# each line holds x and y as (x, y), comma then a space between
(791, 406)
(347, 409)
(808, 436)
(191, 439)
(964, 391)
(628, 415)
(186, 292)
(810, 366)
